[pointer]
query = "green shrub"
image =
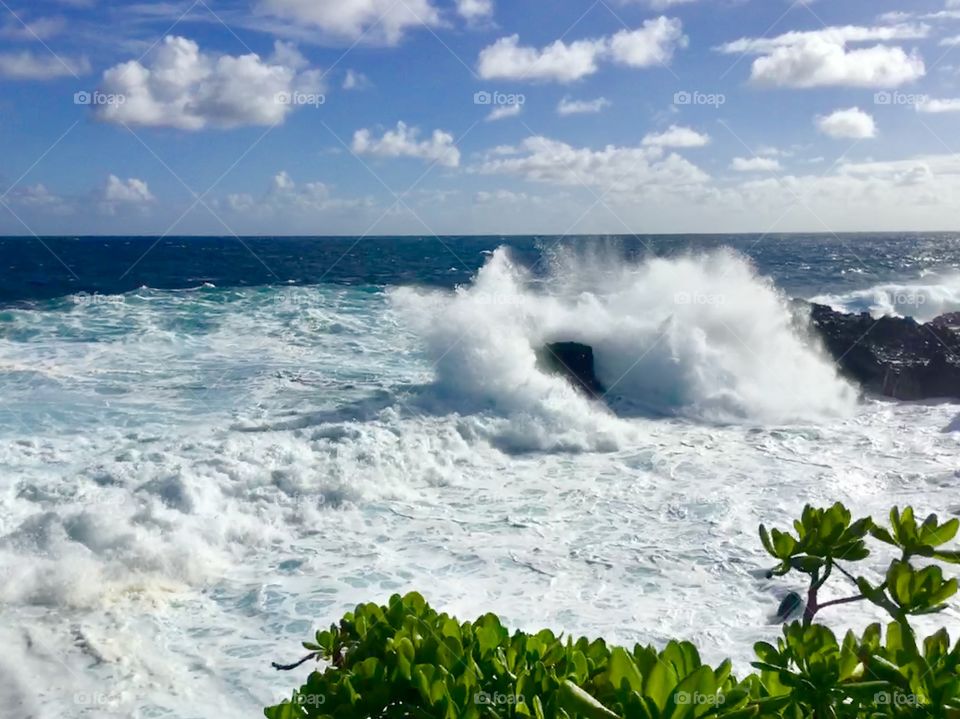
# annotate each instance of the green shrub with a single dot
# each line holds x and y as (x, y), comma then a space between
(406, 660)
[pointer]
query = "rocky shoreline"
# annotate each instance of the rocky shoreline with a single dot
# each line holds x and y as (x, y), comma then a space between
(893, 357)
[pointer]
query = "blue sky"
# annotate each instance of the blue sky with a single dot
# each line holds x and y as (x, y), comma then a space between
(478, 116)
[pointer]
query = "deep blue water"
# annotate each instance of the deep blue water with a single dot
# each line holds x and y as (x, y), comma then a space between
(43, 268)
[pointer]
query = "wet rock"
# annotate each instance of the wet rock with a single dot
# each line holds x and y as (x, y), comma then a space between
(574, 361)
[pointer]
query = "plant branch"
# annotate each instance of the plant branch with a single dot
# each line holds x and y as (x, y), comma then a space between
(846, 573)
(288, 667)
(845, 600)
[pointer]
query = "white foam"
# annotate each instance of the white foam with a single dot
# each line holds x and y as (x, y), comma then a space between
(924, 300)
(700, 336)
(195, 481)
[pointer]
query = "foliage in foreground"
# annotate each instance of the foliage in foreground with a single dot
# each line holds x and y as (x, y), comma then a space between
(406, 660)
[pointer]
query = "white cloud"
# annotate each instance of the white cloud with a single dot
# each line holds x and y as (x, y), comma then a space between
(612, 169)
(509, 197)
(42, 28)
(839, 35)
(755, 164)
(355, 20)
(822, 58)
(403, 142)
(665, 4)
(285, 196)
(580, 107)
(27, 65)
(558, 61)
(502, 111)
(770, 151)
(939, 105)
(354, 80)
(653, 43)
(852, 124)
(39, 198)
(475, 10)
(676, 136)
(183, 87)
(130, 193)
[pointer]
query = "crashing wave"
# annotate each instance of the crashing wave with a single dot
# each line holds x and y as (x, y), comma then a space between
(698, 336)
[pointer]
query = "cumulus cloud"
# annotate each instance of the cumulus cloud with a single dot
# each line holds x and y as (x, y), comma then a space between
(612, 169)
(28, 65)
(183, 87)
(755, 164)
(655, 42)
(822, 58)
(676, 136)
(475, 10)
(130, 193)
(384, 21)
(939, 105)
(404, 142)
(559, 62)
(852, 124)
(651, 44)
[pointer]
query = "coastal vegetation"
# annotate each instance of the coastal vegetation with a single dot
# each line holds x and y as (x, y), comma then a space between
(405, 659)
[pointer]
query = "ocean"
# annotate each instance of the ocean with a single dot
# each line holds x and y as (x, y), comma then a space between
(211, 447)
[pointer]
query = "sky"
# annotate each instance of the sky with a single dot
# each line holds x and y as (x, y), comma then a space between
(439, 117)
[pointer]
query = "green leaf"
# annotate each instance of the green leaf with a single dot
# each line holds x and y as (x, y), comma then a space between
(767, 653)
(659, 682)
(622, 669)
(576, 701)
(765, 541)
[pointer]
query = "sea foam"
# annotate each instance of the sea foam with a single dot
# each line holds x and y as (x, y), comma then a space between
(701, 336)
(923, 300)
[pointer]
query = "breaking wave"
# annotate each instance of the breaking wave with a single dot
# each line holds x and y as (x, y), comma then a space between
(696, 336)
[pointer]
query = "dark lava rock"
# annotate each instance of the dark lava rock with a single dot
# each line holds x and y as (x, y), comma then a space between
(574, 361)
(893, 356)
